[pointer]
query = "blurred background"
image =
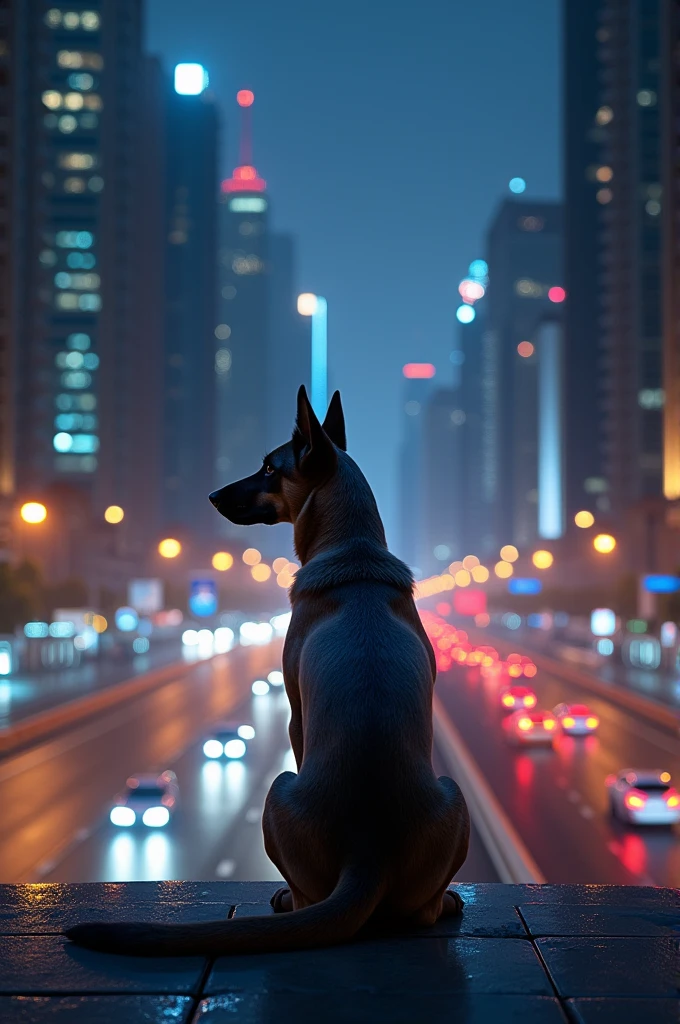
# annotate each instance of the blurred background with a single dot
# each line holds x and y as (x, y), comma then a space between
(467, 218)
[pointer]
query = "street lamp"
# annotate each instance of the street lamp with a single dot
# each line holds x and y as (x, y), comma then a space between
(33, 512)
(169, 548)
(604, 543)
(114, 514)
(316, 307)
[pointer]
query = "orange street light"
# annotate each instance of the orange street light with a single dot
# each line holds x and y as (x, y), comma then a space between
(509, 553)
(169, 548)
(604, 543)
(114, 514)
(584, 519)
(251, 556)
(33, 512)
(260, 572)
(542, 559)
(222, 561)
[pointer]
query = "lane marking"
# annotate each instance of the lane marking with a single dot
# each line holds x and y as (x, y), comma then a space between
(225, 868)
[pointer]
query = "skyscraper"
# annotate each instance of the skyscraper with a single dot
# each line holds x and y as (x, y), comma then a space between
(417, 388)
(525, 287)
(243, 329)
(76, 278)
(289, 353)
(442, 455)
(670, 181)
(191, 300)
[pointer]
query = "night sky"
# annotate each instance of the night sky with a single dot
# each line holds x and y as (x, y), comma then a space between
(387, 131)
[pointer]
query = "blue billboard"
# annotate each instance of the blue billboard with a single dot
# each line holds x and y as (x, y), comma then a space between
(524, 585)
(203, 598)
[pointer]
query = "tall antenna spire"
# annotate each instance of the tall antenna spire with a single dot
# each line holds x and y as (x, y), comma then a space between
(245, 99)
(245, 177)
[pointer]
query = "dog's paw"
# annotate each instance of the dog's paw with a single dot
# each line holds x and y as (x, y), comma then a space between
(282, 900)
(452, 903)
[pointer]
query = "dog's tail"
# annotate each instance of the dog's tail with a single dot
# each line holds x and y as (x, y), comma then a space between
(332, 921)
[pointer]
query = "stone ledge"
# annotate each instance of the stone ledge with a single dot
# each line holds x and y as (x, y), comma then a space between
(545, 954)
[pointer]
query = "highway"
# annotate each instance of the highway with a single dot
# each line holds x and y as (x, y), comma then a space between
(56, 796)
(556, 799)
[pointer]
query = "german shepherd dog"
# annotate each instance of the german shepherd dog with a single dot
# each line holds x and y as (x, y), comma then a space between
(364, 829)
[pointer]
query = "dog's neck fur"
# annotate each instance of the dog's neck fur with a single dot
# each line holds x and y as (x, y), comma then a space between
(339, 536)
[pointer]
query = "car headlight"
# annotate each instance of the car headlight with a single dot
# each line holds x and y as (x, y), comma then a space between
(213, 748)
(260, 687)
(156, 817)
(246, 732)
(234, 748)
(122, 816)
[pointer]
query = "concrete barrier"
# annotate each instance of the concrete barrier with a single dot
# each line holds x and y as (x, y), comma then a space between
(45, 723)
(509, 855)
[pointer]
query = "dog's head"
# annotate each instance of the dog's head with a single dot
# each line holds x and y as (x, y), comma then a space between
(279, 489)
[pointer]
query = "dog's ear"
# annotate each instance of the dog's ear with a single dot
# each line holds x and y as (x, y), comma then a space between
(334, 424)
(313, 448)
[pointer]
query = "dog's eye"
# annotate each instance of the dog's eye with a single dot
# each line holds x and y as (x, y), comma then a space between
(269, 469)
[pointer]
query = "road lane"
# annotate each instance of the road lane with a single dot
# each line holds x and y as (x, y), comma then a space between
(50, 793)
(557, 798)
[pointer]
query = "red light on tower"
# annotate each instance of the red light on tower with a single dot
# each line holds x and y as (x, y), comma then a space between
(557, 294)
(419, 370)
(245, 98)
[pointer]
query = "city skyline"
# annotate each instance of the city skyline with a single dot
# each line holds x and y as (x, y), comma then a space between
(336, 170)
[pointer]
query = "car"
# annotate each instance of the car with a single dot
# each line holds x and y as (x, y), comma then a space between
(576, 719)
(515, 698)
(228, 739)
(530, 727)
(643, 797)
(147, 799)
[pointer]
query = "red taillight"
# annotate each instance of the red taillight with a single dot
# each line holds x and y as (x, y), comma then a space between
(672, 798)
(530, 670)
(508, 700)
(525, 724)
(515, 671)
(592, 722)
(635, 800)
(530, 700)
(549, 724)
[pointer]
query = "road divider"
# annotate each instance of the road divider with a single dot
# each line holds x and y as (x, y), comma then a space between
(508, 852)
(45, 723)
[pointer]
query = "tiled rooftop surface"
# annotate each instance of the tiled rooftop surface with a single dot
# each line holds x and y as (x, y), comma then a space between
(550, 954)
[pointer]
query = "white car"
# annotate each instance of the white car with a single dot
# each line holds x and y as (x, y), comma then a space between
(643, 797)
(227, 739)
(149, 800)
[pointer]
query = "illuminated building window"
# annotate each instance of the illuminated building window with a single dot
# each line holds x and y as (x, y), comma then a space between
(246, 227)
(89, 121)
(67, 124)
(77, 161)
(52, 99)
(53, 18)
(80, 59)
(595, 485)
(91, 102)
(646, 98)
(247, 265)
(95, 183)
(222, 361)
(73, 101)
(80, 281)
(90, 303)
(66, 300)
(75, 463)
(74, 185)
(90, 20)
(82, 81)
(248, 204)
(70, 20)
(228, 292)
(604, 195)
(531, 223)
(528, 289)
(76, 379)
(604, 173)
(74, 239)
(80, 342)
(651, 398)
(653, 207)
(604, 115)
(223, 331)
(81, 260)
(69, 360)
(91, 361)
(68, 402)
(48, 257)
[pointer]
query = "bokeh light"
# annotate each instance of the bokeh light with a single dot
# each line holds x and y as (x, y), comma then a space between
(251, 556)
(114, 514)
(542, 559)
(222, 561)
(503, 570)
(509, 553)
(261, 572)
(525, 349)
(463, 578)
(307, 304)
(279, 564)
(245, 98)
(584, 519)
(470, 290)
(169, 548)
(517, 185)
(465, 314)
(480, 574)
(470, 561)
(478, 269)
(604, 543)
(33, 512)
(556, 294)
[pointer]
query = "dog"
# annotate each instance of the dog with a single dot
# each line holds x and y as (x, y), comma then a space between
(364, 830)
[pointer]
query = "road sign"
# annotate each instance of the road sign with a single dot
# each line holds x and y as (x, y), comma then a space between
(203, 597)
